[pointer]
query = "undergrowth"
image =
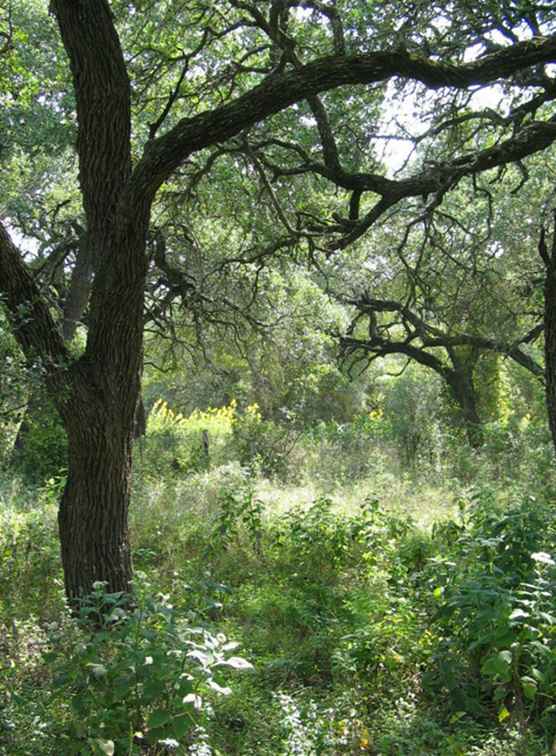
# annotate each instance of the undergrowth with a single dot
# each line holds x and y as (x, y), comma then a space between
(371, 625)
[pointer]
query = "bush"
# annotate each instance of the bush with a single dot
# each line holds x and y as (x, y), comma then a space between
(30, 570)
(143, 677)
(496, 612)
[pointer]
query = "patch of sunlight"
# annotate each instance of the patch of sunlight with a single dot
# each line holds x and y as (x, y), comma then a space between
(424, 503)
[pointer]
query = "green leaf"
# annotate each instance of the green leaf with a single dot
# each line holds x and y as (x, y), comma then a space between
(529, 686)
(159, 717)
(499, 694)
(181, 726)
(80, 705)
(105, 746)
(153, 689)
(119, 692)
(498, 666)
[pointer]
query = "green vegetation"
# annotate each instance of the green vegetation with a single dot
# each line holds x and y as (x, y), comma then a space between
(277, 377)
(365, 610)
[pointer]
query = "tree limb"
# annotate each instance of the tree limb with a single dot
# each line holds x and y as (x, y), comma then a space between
(163, 155)
(33, 326)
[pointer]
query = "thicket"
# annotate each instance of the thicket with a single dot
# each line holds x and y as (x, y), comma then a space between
(334, 588)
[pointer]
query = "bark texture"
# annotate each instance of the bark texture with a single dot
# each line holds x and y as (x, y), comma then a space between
(105, 383)
(94, 509)
(549, 260)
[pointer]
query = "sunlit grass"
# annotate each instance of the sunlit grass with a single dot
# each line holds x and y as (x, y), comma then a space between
(423, 502)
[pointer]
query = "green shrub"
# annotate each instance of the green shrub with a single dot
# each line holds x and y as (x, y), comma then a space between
(496, 611)
(145, 676)
(30, 569)
(237, 510)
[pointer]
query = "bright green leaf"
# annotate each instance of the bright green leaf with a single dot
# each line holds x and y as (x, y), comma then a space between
(503, 714)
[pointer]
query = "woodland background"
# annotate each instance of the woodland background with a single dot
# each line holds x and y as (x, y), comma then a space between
(328, 326)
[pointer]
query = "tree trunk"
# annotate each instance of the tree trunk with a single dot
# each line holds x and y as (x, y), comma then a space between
(549, 259)
(95, 539)
(464, 394)
(104, 390)
(94, 508)
(79, 290)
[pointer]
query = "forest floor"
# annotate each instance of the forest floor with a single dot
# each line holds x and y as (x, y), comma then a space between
(393, 615)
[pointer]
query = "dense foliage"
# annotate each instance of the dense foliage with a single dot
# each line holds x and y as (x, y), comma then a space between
(278, 281)
(386, 593)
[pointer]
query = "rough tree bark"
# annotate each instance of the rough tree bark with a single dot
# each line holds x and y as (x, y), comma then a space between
(99, 415)
(549, 260)
(95, 539)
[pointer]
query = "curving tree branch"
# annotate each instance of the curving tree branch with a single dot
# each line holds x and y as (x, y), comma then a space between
(412, 336)
(165, 154)
(33, 325)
